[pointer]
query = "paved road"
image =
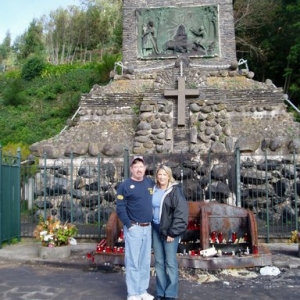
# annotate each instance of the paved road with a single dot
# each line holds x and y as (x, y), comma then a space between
(25, 276)
(38, 282)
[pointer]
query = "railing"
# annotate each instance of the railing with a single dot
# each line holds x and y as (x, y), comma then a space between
(9, 197)
(83, 190)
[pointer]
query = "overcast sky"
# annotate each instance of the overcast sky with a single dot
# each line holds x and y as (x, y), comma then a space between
(16, 15)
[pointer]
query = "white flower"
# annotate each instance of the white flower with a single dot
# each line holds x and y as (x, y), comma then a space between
(48, 237)
(43, 232)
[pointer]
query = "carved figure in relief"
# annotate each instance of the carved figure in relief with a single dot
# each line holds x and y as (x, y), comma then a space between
(179, 43)
(149, 43)
(200, 41)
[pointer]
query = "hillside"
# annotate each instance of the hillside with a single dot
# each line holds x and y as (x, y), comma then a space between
(37, 109)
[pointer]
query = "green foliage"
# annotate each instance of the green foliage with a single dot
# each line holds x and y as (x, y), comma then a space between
(29, 168)
(70, 103)
(268, 38)
(12, 93)
(118, 35)
(37, 100)
(59, 70)
(11, 241)
(12, 149)
(136, 109)
(106, 65)
(12, 74)
(50, 101)
(5, 48)
(33, 67)
(32, 43)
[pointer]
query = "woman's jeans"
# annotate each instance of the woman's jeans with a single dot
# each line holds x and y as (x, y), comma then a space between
(166, 265)
(137, 259)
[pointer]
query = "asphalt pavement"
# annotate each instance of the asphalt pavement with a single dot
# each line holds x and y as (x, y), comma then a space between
(24, 275)
(284, 255)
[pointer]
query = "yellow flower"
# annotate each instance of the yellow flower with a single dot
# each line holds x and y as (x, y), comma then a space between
(295, 237)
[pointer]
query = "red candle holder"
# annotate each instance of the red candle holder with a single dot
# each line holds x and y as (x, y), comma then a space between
(213, 236)
(255, 250)
(233, 237)
(121, 234)
(220, 237)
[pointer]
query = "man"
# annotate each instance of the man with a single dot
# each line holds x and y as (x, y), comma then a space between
(134, 208)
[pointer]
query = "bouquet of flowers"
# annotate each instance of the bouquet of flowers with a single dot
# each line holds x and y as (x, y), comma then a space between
(295, 237)
(54, 234)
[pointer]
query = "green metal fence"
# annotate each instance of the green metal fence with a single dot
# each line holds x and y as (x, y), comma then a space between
(83, 190)
(9, 198)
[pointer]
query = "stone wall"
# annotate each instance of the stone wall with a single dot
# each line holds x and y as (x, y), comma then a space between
(132, 112)
(231, 109)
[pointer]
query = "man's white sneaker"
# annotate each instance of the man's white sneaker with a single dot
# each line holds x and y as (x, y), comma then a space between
(146, 296)
(134, 298)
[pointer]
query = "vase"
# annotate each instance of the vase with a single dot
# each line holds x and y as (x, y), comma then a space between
(54, 252)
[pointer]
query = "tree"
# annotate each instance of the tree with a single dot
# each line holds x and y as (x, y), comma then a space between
(5, 47)
(289, 39)
(252, 20)
(78, 33)
(268, 36)
(32, 41)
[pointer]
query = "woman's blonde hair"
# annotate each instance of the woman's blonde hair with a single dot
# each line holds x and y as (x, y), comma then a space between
(168, 171)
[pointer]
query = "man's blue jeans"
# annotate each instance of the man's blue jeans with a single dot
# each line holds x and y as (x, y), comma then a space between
(166, 265)
(137, 259)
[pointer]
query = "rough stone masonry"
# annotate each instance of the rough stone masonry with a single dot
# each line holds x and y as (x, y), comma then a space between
(189, 42)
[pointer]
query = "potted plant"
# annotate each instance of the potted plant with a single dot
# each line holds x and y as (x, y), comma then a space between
(295, 239)
(54, 235)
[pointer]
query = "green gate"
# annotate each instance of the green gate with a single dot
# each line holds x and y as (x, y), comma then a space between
(9, 197)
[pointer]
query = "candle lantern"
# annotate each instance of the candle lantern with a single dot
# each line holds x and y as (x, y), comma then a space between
(213, 236)
(233, 237)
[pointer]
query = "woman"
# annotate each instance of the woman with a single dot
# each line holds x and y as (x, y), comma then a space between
(170, 217)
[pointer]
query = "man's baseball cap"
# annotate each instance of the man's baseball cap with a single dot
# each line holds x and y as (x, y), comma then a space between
(137, 157)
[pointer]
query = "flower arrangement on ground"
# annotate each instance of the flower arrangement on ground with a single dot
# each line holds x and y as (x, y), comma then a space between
(295, 237)
(54, 234)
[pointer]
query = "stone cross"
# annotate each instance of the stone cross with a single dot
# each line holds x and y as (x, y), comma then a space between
(181, 92)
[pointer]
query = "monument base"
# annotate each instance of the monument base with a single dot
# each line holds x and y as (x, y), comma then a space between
(263, 258)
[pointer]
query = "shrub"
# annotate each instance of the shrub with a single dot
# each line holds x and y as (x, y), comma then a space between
(12, 148)
(12, 93)
(70, 103)
(106, 65)
(32, 68)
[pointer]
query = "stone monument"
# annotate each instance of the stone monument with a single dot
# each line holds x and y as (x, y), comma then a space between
(181, 89)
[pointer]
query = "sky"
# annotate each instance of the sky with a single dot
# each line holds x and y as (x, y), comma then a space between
(16, 15)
